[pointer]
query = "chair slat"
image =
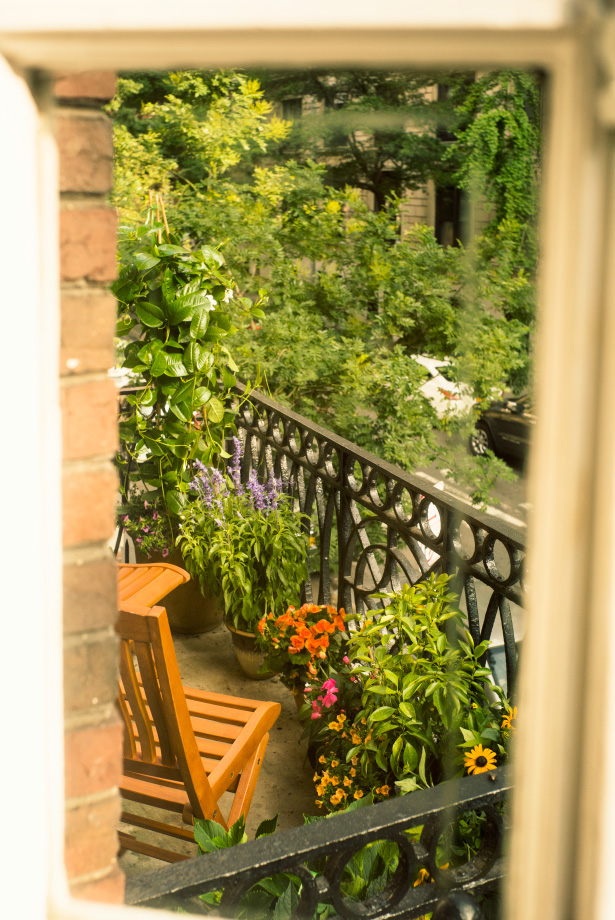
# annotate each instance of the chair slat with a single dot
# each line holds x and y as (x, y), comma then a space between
(137, 707)
(149, 682)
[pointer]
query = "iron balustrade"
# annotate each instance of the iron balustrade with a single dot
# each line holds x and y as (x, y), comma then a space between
(318, 854)
(390, 527)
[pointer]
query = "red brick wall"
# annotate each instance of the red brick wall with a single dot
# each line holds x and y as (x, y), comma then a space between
(89, 418)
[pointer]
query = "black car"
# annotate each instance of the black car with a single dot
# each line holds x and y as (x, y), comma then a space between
(505, 428)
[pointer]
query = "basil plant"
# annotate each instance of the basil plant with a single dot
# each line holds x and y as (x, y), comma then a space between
(175, 320)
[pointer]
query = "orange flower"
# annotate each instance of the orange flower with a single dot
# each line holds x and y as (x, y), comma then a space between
(304, 632)
(324, 626)
(311, 669)
(339, 623)
(297, 643)
(313, 646)
(285, 620)
(261, 625)
(358, 794)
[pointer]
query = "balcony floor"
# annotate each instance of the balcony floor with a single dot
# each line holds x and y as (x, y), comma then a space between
(285, 785)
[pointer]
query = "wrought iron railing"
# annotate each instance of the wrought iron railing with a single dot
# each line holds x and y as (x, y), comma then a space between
(375, 526)
(317, 855)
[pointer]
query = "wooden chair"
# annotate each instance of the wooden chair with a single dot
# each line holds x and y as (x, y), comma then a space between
(183, 748)
(147, 583)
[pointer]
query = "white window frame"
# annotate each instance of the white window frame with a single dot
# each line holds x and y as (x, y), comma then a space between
(564, 810)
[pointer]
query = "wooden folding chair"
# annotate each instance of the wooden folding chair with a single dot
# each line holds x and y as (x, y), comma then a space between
(183, 748)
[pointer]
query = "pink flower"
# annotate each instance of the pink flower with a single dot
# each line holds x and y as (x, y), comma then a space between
(346, 659)
(146, 504)
(329, 685)
(316, 715)
(124, 519)
(155, 516)
(353, 679)
(165, 551)
(329, 699)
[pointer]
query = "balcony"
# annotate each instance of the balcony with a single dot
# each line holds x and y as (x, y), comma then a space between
(373, 527)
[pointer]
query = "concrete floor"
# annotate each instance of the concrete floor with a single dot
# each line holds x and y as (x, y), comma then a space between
(285, 784)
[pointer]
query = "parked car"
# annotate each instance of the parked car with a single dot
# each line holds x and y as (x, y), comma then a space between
(505, 428)
(446, 396)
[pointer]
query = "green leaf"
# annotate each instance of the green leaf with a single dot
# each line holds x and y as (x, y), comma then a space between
(422, 766)
(214, 410)
(407, 785)
(160, 364)
(176, 501)
(175, 367)
(150, 314)
(144, 261)
(383, 712)
(198, 323)
(266, 827)
(411, 757)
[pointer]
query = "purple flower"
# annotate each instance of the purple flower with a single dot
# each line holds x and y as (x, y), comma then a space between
(146, 504)
(145, 528)
(155, 516)
(125, 519)
(165, 551)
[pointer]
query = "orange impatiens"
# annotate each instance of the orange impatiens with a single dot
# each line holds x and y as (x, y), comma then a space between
(298, 643)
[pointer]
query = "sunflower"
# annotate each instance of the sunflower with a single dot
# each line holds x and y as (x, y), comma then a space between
(509, 718)
(480, 759)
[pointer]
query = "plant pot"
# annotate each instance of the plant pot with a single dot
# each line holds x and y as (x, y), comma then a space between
(299, 697)
(190, 611)
(248, 655)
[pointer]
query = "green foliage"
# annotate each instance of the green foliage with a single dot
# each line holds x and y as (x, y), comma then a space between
(349, 301)
(174, 319)
(424, 700)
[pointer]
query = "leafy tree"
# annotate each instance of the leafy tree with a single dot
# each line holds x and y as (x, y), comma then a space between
(349, 301)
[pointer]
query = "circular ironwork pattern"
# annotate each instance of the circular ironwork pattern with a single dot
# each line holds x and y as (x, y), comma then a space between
(391, 894)
(479, 864)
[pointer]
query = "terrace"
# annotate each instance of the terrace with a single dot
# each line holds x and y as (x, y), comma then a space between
(373, 528)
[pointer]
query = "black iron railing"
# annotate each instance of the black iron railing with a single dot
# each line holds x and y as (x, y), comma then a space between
(318, 854)
(375, 526)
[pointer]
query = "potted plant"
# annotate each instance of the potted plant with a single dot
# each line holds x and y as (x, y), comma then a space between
(301, 646)
(249, 544)
(175, 321)
(414, 705)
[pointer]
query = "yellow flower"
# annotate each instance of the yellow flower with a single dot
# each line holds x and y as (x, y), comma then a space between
(384, 790)
(353, 772)
(422, 878)
(321, 759)
(334, 726)
(355, 760)
(337, 797)
(334, 764)
(334, 781)
(509, 718)
(341, 718)
(356, 739)
(320, 788)
(315, 777)
(347, 781)
(358, 794)
(480, 759)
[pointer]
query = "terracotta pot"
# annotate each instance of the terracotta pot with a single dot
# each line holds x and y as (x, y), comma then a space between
(190, 611)
(248, 655)
(299, 697)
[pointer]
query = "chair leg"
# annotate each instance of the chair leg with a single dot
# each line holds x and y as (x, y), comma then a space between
(247, 783)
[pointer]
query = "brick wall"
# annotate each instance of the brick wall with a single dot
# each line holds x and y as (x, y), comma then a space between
(89, 419)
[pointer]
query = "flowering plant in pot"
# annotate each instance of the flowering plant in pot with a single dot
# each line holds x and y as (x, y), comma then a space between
(424, 708)
(248, 543)
(149, 524)
(301, 645)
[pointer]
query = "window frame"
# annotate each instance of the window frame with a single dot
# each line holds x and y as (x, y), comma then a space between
(564, 809)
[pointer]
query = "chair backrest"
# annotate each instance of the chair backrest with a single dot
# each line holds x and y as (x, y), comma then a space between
(160, 743)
